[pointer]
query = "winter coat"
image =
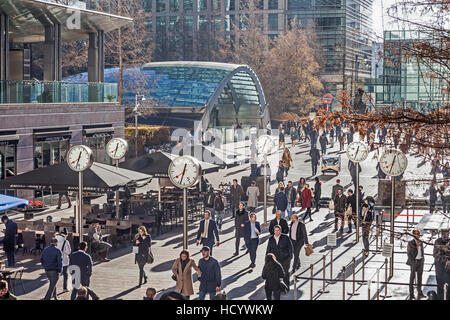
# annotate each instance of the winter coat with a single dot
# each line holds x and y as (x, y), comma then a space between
(65, 248)
(236, 193)
(280, 174)
(315, 156)
(293, 193)
(339, 203)
(334, 190)
(9, 240)
(283, 251)
(211, 275)
(305, 198)
(144, 246)
(272, 273)
(184, 278)
(317, 190)
(323, 141)
(252, 194)
(286, 159)
(281, 201)
(351, 201)
(433, 195)
(282, 223)
(241, 218)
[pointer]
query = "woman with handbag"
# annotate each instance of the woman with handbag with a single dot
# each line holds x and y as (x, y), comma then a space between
(142, 245)
(273, 273)
(182, 274)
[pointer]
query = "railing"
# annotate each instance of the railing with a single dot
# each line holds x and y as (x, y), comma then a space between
(12, 91)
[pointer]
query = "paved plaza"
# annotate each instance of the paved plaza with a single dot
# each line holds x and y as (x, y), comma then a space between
(118, 278)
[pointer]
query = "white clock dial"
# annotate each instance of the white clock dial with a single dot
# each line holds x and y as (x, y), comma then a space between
(265, 144)
(357, 151)
(393, 162)
(184, 171)
(117, 148)
(80, 158)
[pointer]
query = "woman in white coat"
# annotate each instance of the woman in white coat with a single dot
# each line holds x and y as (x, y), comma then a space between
(65, 248)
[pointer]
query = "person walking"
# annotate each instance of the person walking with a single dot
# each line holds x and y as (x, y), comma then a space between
(445, 196)
(252, 230)
(209, 201)
(299, 237)
(291, 194)
(433, 196)
(281, 201)
(51, 260)
(252, 194)
(366, 223)
(182, 272)
(441, 254)
(66, 250)
(334, 189)
(240, 219)
(415, 261)
(294, 135)
(280, 245)
(278, 221)
(236, 194)
(323, 143)
(280, 172)
(287, 159)
(351, 209)
(220, 203)
(63, 194)
(332, 137)
(340, 201)
(281, 143)
(317, 193)
(83, 262)
(9, 240)
(272, 273)
(305, 200)
(352, 170)
(315, 156)
(211, 278)
(207, 230)
(143, 241)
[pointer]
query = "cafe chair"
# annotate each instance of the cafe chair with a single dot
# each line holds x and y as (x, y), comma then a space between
(30, 243)
(17, 277)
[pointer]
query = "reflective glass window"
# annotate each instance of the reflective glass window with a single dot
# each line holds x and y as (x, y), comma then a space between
(273, 4)
(188, 5)
(273, 22)
(160, 5)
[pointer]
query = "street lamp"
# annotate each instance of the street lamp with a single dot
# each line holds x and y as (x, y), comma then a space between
(136, 114)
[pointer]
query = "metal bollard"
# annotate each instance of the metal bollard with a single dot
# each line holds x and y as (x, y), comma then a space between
(312, 275)
(362, 282)
(295, 287)
(343, 283)
(353, 293)
(445, 291)
(331, 281)
(323, 275)
(378, 284)
(385, 279)
(368, 289)
(407, 219)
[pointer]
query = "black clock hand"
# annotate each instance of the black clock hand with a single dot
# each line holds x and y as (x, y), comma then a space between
(184, 170)
(357, 149)
(78, 160)
(392, 164)
(117, 146)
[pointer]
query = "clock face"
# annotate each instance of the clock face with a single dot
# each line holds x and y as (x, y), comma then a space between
(393, 162)
(184, 171)
(265, 144)
(117, 148)
(80, 158)
(357, 151)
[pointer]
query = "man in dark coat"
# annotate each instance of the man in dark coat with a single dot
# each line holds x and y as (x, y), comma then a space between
(335, 188)
(9, 240)
(352, 169)
(207, 230)
(299, 237)
(433, 196)
(51, 260)
(252, 230)
(315, 156)
(351, 201)
(281, 202)
(323, 143)
(82, 261)
(340, 202)
(280, 245)
(278, 221)
(317, 193)
(211, 278)
(366, 223)
(416, 260)
(441, 253)
(291, 194)
(236, 194)
(239, 221)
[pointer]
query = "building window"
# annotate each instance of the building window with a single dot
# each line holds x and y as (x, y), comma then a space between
(259, 4)
(202, 5)
(148, 24)
(174, 23)
(98, 142)
(230, 5)
(215, 4)
(243, 21)
(299, 4)
(7, 159)
(188, 5)
(273, 4)
(203, 23)
(273, 22)
(160, 5)
(160, 24)
(188, 21)
(50, 151)
(174, 5)
(148, 5)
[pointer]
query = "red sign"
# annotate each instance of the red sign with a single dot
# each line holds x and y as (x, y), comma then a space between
(327, 98)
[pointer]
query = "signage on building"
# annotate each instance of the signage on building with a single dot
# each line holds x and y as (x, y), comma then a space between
(327, 98)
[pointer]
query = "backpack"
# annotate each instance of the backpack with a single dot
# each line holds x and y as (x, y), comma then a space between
(218, 204)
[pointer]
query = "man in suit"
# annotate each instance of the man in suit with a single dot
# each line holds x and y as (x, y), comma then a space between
(351, 202)
(317, 193)
(298, 237)
(9, 240)
(211, 278)
(278, 221)
(252, 230)
(366, 223)
(415, 261)
(281, 201)
(82, 261)
(280, 245)
(239, 221)
(340, 201)
(207, 231)
(335, 188)
(314, 153)
(291, 194)
(236, 194)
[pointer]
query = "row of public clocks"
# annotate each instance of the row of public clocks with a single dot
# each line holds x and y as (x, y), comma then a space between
(185, 171)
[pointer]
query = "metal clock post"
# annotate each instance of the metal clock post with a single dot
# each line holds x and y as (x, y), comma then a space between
(80, 158)
(116, 149)
(393, 163)
(191, 170)
(265, 144)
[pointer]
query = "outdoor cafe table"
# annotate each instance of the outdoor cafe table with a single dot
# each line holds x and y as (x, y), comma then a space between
(38, 232)
(6, 273)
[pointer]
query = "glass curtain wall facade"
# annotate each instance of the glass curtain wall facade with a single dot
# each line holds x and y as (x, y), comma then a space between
(405, 81)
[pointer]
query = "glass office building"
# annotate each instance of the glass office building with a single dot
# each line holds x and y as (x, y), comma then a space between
(189, 29)
(406, 81)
